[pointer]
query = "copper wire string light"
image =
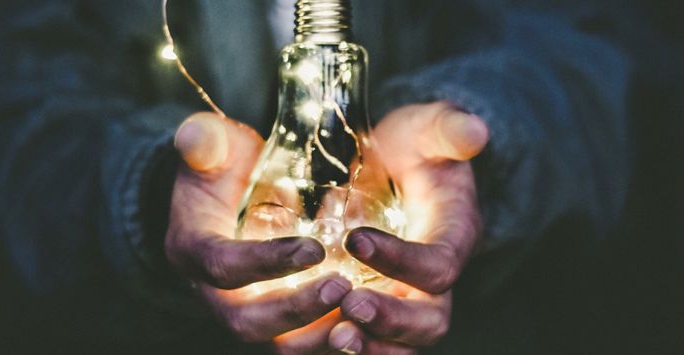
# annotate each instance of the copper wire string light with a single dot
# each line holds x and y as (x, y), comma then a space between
(313, 177)
(169, 52)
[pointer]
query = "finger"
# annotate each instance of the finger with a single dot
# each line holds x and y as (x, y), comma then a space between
(228, 264)
(408, 321)
(348, 338)
(453, 134)
(207, 141)
(310, 339)
(413, 134)
(277, 312)
(432, 268)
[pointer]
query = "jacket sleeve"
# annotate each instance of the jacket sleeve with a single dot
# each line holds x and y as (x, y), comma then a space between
(554, 99)
(79, 153)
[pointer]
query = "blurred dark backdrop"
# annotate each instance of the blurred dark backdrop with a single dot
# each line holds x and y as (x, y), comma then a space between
(623, 295)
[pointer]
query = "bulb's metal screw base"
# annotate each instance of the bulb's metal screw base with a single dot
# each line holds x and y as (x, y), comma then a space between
(323, 21)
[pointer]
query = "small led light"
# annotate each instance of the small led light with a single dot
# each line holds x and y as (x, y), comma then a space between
(285, 183)
(339, 209)
(305, 228)
(346, 76)
(312, 111)
(395, 217)
(301, 183)
(168, 53)
(291, 137)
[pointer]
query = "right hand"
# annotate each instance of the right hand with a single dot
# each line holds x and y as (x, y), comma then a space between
(219, 155)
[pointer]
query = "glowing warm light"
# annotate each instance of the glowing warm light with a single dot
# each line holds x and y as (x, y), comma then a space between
(312, 111)
(308, 72)
(345, 73)
(417, 219)
(168, 53)
(291, 137)
(293, 280)
(305, 228)
(395, 217)
(346, 77)
(285, 183)
(339, 209)
(302, 183)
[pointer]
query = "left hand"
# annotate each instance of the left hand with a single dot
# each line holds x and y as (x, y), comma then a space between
(426, 149)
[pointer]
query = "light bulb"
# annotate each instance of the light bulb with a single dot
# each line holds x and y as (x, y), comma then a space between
(318, 175)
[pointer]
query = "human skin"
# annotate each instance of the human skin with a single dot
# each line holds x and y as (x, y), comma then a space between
(425, 148)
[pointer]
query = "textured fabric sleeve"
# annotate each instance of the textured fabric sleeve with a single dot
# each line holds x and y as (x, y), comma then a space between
(554, 99)
(81, 157)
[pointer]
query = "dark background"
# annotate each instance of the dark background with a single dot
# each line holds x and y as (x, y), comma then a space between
(624, 294)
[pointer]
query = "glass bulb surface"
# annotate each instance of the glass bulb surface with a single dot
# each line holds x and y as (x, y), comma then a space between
(318, 175)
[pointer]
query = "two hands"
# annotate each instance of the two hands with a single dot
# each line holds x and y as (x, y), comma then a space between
(425, 149)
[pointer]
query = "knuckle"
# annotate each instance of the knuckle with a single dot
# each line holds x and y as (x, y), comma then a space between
(238, 324)
(295, 316)
(445, 276)
(217, 270)
(391, 328)
(444, 280)
(296, 313)
(440, 331)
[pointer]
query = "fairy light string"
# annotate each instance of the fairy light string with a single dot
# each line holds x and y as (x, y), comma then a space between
(170, 53)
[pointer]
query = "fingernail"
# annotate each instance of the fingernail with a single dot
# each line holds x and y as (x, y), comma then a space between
(363, 312)
(306, 257)
(354, 347)
(333, 291)
(361, 246)
(344, 340)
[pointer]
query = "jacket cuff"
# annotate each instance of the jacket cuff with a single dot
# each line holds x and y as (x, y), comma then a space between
(138, 179)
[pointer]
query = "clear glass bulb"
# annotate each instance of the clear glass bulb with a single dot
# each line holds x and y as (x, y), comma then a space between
(318, 175)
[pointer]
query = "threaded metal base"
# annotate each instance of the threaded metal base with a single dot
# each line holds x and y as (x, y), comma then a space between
(323, 21)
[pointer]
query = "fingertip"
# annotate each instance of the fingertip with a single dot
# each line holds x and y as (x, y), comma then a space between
(337, 277)
(461, 136)
(333, 289)
(478, 135)
(308, 254)
(346, 337)
(202, 141)
(359, 243)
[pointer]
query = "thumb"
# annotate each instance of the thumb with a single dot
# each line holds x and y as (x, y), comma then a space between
(202, 141)
(451, 134)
